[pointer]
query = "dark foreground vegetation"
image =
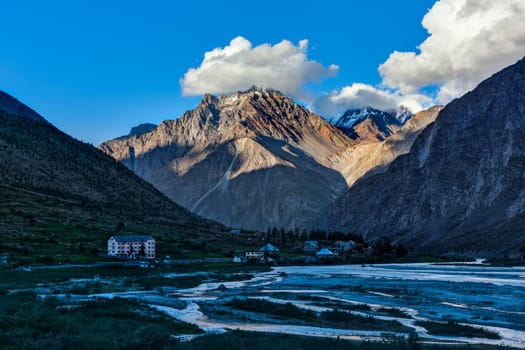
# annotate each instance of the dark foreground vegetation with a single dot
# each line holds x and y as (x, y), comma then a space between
(28, 322)
(121, 278)
(239, 340)
(453, 328)
(331, 318)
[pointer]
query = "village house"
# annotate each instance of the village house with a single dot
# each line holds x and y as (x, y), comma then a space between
(3, 259)
(269, 251)
(132, 247)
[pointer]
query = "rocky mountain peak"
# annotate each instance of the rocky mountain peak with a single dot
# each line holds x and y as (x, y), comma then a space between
(367, 124)
(252, 113)
(209, 99)
(253, 95)
(142, 129)
(403, 114)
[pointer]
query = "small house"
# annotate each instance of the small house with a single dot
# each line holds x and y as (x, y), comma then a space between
(132, 247)
(3, 259)
(235, 231)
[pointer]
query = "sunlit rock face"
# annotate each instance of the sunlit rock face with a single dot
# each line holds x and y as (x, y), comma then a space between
(461, 187)
(256, 159)
(253, 159)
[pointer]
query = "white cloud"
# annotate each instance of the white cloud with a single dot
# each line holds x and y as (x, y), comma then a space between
(363, 95)
(468, 41)
(239, 65)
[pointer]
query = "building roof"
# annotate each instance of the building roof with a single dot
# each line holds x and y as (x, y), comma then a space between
(324, 252)
(269, 248)
(139, 238)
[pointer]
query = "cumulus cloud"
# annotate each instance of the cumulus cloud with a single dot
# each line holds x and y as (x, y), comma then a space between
(468, 41)
(240, 65)
(362, 95)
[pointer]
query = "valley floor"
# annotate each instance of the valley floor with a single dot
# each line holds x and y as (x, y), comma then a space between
(469, 304)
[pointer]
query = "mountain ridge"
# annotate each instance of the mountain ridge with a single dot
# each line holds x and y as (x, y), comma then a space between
(368, 124)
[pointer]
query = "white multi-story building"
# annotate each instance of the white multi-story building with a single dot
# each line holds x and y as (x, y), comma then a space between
(132, 246)
(254, 256)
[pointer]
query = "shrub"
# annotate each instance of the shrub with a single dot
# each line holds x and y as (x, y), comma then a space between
(287, 310)
(453, 328)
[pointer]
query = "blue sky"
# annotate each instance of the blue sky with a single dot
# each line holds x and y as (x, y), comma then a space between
(97, 68)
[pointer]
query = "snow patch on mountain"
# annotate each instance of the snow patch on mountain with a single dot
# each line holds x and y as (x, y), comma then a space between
(354, 116)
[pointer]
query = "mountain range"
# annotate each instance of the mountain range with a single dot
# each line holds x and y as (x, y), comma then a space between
(447, 179)
(256, 159)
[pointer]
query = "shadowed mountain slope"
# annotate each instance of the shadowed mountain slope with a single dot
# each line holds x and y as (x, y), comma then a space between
(56, 190)
(462, 186)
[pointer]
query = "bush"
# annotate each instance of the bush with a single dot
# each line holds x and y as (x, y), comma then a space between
(287, 310)
(393, 311)
(453, 328)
